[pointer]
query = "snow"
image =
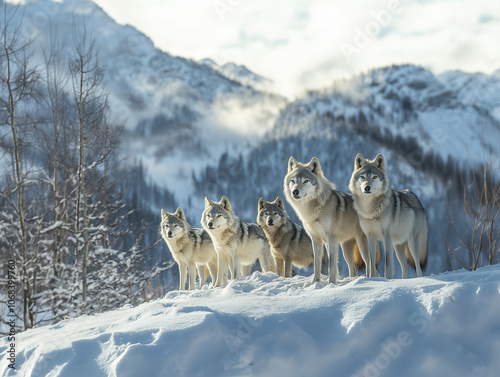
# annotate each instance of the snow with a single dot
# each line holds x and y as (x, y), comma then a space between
(265, 325)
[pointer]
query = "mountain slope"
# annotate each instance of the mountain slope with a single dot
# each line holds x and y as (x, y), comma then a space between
(240, 73)
(264, 325)
(174, 109)
(477, 89)
(405, 101)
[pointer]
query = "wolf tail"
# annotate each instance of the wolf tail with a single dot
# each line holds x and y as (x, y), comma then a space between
(422, 235)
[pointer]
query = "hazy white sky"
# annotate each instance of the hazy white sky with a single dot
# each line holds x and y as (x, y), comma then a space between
(307, 44)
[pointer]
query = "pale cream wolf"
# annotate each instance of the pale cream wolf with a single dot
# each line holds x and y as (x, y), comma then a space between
(289, 242)
(190, 247)
(328, 217)
(238, 244)
(397, 218)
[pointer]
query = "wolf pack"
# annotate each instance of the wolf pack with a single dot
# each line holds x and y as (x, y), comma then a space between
(374, 212)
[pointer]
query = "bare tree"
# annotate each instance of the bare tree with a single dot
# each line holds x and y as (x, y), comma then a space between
(18, 80)
(91, 102)
(475, 220)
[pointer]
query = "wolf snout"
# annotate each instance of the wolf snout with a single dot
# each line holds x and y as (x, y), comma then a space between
(270, 222)
(295, 192)
(210, 225)
(368, 188)
(169, 234)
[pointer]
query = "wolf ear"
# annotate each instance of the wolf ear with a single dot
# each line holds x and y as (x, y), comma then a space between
(380, 162)
(164, 214)
(180, 214)
(262, 203)
(314, 166)
(224, 203)
(279, 202)
(292, 164)
(208, 202)
(359, 161)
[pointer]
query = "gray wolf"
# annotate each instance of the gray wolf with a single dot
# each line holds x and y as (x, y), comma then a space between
(190, 248)
(238, 244)
(328, 217)
(395, 217)
(290, 243)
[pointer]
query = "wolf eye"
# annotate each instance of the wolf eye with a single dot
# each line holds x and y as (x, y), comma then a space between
(362, 177)
(275, 213)
(306, 180)
(375, 177)
(218, 215)
(266, 213)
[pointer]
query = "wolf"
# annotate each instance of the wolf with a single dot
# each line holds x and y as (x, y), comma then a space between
(328, 217)
(290, 243)
(238, 244)
(395, 217)
(189, 246)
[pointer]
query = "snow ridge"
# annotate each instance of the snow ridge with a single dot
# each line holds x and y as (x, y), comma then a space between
(265, 325)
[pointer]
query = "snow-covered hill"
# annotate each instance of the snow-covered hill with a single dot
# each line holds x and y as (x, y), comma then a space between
(264, 325)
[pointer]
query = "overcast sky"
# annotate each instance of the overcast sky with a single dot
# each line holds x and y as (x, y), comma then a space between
(307, 44)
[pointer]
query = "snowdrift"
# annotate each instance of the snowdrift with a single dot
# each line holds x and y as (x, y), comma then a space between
(264, 325)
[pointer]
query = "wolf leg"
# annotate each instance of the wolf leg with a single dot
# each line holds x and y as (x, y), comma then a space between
(370, 261)
(236, 262)
(348, 252)
(400, 254)
(192, 276)
(201, 273)
(212, 267)
(372, 250)
(280, 266)
(288, 267)
(182, 276)
(222, 268)
(333, 256)
(246, 269)
(389, 257)
(317, 251)
(221, 264)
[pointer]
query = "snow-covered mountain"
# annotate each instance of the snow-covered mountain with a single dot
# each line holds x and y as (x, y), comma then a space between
(404, 101)
(477, 89)
(175, 110)
(240, 73)
(181, 114)
(264, 325)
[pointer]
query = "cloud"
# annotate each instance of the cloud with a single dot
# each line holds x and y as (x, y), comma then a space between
(301, 44)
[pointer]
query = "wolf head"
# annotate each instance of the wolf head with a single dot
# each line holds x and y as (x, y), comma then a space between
(216, 215)
(271, 213)
(173, 224)
(369, 176)
(305, 180)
